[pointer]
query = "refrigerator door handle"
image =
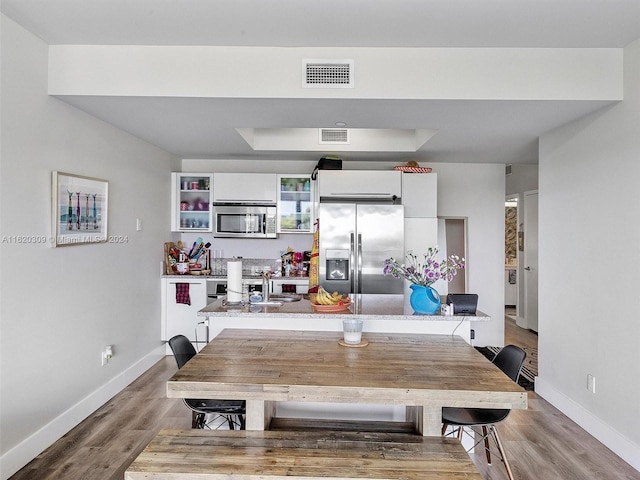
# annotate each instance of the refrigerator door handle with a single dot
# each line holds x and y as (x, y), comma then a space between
(351, 261)
(359, 263)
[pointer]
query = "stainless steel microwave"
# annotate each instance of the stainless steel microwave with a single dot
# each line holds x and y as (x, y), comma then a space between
(251, 221)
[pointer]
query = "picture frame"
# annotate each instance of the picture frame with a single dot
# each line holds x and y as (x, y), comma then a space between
(79, 209)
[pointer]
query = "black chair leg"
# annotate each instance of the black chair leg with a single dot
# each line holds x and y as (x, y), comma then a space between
(197, 420)
(194, 420)
(485, 436)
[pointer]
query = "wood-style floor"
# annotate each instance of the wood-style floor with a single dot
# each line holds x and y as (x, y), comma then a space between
(541, 443)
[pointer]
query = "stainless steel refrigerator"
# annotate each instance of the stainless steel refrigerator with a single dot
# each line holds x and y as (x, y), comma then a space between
(355, 239)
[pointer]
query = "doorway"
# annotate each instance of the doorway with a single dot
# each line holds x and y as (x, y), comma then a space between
(511, 256)
(455, 228)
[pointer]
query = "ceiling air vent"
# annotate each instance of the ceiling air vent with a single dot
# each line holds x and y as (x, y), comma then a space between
(334, 136)
(327, 73)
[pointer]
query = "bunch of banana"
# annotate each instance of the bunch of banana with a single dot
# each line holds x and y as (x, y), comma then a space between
(326, 298)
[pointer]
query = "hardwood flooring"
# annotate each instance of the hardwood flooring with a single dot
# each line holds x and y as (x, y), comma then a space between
(541, 442)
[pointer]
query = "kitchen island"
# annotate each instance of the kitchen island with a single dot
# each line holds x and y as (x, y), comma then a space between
(380, 313)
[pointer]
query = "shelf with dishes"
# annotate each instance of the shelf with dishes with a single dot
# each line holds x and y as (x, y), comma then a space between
(191, 199)
(295, 204)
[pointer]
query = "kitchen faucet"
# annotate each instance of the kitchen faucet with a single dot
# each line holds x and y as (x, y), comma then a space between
(265, 286)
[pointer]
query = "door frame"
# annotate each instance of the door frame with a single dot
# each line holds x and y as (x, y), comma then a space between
(530, 261)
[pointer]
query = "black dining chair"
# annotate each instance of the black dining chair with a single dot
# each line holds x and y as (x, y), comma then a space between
(233, 411)
(509, 359)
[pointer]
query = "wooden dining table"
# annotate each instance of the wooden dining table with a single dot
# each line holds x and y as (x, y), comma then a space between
(422, 372)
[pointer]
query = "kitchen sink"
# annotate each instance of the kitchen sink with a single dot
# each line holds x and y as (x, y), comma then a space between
(277, 299)
(269, 303)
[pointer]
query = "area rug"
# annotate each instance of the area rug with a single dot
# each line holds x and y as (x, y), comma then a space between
(529, 369)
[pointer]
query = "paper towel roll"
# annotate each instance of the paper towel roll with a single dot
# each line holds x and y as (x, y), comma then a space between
(234, 281)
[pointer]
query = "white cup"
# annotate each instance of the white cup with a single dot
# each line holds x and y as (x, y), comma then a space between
(352, 330)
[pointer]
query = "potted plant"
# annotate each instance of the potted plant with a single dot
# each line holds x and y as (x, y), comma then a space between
(422, 273)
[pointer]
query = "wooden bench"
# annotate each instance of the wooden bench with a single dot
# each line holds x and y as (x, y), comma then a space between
(278, 455)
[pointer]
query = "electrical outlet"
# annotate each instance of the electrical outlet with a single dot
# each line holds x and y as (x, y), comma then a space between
(591, 383)
(106, 354)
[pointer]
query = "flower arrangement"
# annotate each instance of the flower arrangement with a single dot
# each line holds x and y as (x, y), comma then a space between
(427, 272)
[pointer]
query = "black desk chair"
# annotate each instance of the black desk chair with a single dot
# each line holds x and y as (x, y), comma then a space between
(509, 360)
(184, 351)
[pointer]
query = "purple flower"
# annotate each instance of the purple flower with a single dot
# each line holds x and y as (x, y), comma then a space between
(428, 272)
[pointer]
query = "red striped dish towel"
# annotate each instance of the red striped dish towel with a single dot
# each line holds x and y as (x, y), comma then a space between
(182, 293)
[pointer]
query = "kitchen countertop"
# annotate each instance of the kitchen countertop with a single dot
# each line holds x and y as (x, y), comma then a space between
(363, 306)
(224, 277)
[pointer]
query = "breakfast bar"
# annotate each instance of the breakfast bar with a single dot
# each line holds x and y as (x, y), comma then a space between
(379, 313)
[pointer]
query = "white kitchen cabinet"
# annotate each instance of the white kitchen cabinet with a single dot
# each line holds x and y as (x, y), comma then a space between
(359, 183)
(258, 188)
(191, 202)
(179, 318)
(295, 204)
(420, 233)
(420, 195)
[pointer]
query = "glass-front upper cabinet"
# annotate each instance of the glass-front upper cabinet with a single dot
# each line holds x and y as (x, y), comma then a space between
(191, 202)
(295, 204)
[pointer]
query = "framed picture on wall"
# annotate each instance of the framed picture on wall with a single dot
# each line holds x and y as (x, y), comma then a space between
(79, 209)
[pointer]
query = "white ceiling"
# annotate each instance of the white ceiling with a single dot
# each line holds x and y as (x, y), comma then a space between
(468, 131)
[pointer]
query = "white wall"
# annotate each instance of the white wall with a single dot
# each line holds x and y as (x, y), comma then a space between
(589, 260)
(522, 179)
(61, 306)
(472, 192)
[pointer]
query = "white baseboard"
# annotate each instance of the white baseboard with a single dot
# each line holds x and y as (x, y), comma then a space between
(614, 440)
(16, 458)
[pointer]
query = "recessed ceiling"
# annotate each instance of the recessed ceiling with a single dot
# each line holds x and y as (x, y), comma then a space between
(468, 131)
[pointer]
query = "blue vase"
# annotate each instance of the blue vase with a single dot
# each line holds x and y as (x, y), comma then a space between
(424, 299)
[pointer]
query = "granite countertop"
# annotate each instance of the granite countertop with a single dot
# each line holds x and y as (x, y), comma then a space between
(370, 306)
(276, 276)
